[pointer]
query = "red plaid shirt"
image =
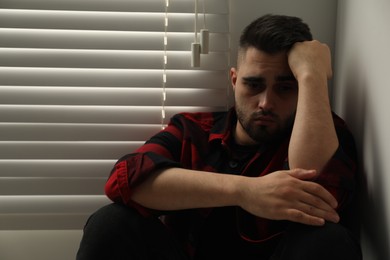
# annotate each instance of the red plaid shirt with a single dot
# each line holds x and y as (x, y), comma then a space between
(203, 141)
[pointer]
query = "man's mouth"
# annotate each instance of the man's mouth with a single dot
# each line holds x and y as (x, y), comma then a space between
(264, 120)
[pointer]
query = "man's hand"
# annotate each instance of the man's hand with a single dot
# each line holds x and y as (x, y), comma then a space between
(288, 195)
(310, 58)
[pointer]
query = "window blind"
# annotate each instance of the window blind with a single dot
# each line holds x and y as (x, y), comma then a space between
(82, 84)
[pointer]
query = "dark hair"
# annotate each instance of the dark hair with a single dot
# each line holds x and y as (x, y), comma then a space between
(274, 33)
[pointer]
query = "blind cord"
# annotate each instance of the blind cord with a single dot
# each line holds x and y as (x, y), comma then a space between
(164, 80)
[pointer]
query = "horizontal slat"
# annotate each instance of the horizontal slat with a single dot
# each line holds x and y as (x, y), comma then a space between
(82, 39)
(52, 186)
(81, 58)
(66, 150)
(177, 6)
(114, 40)
(76, 204)
(54, 95)
(119, 21)
(48, 212)
(56, 168)
(112, 78)
(92, 114)
(53, 222)
(107, 59)
(75, 132)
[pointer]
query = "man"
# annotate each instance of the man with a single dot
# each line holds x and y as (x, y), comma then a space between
(269, 179)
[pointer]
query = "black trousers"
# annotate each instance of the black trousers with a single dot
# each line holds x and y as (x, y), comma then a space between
(117, 232)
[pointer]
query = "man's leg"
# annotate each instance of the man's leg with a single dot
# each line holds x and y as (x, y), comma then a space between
(332, 241)
(118, 232)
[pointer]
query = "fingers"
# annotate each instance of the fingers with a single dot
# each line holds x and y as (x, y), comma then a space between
(311, 216)
(320, 192)
(300, 217)
(310, 213)
(323, 211)
(313, 188)
(289, 195)
(312, 53)
(314, 204)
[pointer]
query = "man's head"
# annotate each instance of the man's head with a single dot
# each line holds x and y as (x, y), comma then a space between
(274, 33)
(265, 89)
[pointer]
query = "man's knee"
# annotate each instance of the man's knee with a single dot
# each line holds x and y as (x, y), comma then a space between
(112, 217)
(109, 227)
(118, 232)
(331, 241)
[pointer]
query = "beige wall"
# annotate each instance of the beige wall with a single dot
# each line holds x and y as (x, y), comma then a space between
(361, 96)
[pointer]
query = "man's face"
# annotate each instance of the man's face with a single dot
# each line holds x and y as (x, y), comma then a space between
(266, 95)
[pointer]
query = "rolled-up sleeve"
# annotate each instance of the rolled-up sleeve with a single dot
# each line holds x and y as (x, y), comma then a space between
(339, 176)
(161, 151)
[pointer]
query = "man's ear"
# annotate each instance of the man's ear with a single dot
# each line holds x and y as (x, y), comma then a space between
(233, 77)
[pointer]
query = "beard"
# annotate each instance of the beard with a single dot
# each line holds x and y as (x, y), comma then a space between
(263, 133)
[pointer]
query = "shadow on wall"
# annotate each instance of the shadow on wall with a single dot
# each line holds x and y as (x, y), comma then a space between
(362, 121)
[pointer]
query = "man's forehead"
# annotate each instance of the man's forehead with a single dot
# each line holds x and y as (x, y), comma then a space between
(254, 57)
(278, 78)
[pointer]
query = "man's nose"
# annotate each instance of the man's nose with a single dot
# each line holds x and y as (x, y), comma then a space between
(266, 100)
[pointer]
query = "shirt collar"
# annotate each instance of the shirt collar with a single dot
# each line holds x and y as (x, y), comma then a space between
(222, 131)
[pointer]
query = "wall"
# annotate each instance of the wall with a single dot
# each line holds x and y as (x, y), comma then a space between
(361, 89)
(39, 244)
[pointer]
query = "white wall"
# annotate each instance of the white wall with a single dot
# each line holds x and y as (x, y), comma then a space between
(39, 244)
(362, 90)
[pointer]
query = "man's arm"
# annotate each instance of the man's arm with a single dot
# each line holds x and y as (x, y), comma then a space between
(281, 195)
(313, 140)
(137, 181)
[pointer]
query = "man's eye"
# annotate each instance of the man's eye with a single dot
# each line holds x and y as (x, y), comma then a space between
(286, 88)
(254, 85)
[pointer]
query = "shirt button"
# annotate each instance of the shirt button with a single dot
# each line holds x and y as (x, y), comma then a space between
(233, 164)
